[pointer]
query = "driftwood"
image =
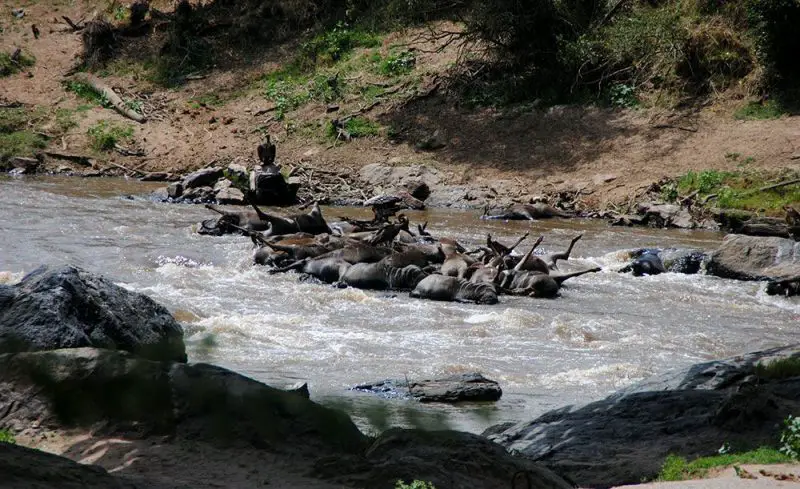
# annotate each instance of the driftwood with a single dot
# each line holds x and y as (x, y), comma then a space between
(104, 90)
(75, 26)
(779, 185)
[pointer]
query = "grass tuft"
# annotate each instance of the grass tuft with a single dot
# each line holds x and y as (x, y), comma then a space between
(782, 368)
(677, 468)
(103, 136)
(9, 67)
(358, 127)
(757, 111)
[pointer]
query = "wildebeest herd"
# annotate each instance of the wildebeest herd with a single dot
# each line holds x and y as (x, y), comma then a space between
(385, 254)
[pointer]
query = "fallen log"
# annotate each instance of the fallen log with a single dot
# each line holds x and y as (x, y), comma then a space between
(105, 91)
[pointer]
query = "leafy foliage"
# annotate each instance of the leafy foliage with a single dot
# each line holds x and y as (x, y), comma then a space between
(7, 437)
(103, 136)
(337, 43)
(357, 127)
(86, 92)
(790, 438)
(398, 64)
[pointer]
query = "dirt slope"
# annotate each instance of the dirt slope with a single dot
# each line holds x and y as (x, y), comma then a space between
(608, 154)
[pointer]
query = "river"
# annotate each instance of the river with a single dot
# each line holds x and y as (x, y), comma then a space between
(608, 330)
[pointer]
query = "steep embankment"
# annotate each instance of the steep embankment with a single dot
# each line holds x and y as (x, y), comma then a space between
(390, 93)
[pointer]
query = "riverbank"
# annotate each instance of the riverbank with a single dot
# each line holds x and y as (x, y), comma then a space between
(594, 158)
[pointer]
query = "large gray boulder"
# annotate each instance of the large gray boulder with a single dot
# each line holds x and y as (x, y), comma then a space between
(68, 307)
(81, 387)
(625, 438)
(448, 459)
(755, 258)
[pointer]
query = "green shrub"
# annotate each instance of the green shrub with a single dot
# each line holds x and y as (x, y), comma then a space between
(398, 64)
(86, 92)
(790, 438)
(357, 127)
(7, 437)
(9, 66)
(20, 143)
(103, 136)
(705, 182)
(335, 44)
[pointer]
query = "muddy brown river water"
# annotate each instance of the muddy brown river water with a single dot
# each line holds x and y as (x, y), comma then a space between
(607, 330)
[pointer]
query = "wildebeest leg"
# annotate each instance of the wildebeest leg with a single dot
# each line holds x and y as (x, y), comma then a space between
(521, 265)
(552, 258)
(261, 214)
(298, 265)
(560, 278)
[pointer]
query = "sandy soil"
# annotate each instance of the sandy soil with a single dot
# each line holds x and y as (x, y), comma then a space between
(608, 155)
(180, 464)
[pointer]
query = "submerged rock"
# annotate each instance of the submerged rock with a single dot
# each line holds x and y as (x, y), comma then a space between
(755, 258)
(68, 307)
(456, 388)
(448, 459)
(81, 387)
(689, 412)
(202, 178)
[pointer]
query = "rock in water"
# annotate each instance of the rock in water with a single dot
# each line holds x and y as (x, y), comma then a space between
(68, 307)
(691, 412)
(755, 258)
(456, 388)
(202, 178)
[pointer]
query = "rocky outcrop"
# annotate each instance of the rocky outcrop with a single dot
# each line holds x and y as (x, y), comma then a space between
(68, 307)
(690, 412)
(471, 387)
(26, 468)
(202, 178)
(448, 459)
(755, 258)
(85, 386)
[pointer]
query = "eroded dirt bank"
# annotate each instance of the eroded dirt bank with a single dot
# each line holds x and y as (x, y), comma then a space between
(604, 158)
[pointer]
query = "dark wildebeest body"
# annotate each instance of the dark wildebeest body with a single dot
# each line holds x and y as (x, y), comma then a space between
(445, 288)
(381, 276)
(271, 224)
(530, 212)
(537, 284)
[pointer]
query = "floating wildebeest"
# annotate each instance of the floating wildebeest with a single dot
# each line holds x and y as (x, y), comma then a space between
(534, 282)
(522, 212)
(656, 261)
(445, 288)
(255, 219)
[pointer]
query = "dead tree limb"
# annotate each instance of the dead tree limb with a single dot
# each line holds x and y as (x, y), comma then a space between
(105, 91)
(75, 27)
